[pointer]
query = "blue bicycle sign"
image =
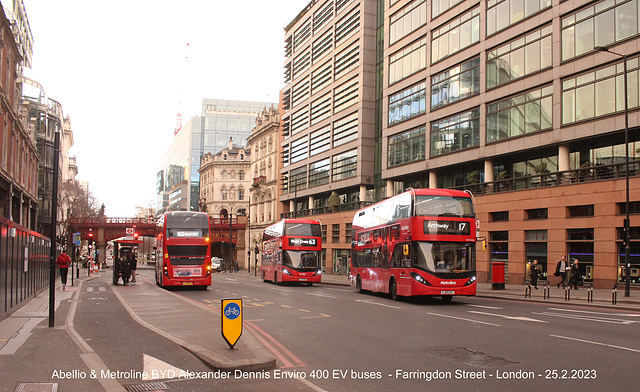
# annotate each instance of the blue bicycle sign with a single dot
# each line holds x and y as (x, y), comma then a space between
(232, 311)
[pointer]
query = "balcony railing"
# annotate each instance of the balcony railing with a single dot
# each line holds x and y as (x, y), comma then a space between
(568, 177)
(353, 206)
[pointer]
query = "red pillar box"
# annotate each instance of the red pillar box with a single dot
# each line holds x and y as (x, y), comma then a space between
(497, 276)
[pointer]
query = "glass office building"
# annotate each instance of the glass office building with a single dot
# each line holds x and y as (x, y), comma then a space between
(178, 180)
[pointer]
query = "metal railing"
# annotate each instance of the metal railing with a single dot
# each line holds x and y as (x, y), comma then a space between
(567, 177)
(352, 206)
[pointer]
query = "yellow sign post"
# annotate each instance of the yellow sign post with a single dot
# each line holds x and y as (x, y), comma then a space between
(231, 320)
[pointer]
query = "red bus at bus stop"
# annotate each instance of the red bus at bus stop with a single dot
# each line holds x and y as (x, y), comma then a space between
(183, 251)
(420, 242)
(291, 251)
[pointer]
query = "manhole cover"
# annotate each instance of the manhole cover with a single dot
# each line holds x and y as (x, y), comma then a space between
(472, 358)
(149, 386)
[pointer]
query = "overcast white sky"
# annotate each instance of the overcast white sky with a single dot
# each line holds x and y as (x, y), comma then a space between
(120, 71)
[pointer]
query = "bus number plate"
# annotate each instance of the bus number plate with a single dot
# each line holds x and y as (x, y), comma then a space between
(303, 279)
(187, 283)
(447, 292)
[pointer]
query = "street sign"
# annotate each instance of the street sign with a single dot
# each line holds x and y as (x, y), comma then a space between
(77, 239)
(231, 320)
(129, 231)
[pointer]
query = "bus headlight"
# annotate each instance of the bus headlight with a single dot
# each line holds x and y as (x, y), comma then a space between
(318, 272)
(166, 270)
(471, 281)
(420, 279)
(286, 271)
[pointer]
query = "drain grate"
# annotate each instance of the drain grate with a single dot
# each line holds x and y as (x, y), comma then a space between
(472, 358)
(36, 387)
(150, 386)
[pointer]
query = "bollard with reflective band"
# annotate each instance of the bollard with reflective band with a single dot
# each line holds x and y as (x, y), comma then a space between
(231, 320)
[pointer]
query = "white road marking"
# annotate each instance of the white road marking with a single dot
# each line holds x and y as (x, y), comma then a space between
(596, 343)
(486, 307)
(588, 318)
(504, 316)
(463, 319)
(322, 295)
(377, 303)
(605, 313)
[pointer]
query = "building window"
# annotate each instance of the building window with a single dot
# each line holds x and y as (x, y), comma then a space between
(456, 35)
(347, 26)
(456, 83)
(241, 175)
(300, 92)
(301, 64)
(499, 216)
(580, 211)
(407, 20)
(634, 254)
(408, 103)
(455, 133)
(408, 61)
(520, 57)
(240, 194)
(321, 77)
(599, 93)
(322, 15)
(536, 249)
(324, 233)
(299, 149)
(439, 7)
(319, 172)
(504, 13)
(580, 246)
(302, 34)
(347, 233)
(499, 249)
(335, 233)
(599, 24)
(634, 208)
(224, 193)
(407, 147)
(519, 115)
(346, 95)
(299, 178)
(345, 130)
(537, 213)
(300, 121)
(322, 46)
(344, 165)
(320, 140)
(347, 60)
(321, 109)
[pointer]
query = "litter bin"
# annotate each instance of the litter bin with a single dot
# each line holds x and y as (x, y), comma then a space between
(497, 276)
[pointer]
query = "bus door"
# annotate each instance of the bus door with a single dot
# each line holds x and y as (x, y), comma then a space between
(385, 273)
(402, 267)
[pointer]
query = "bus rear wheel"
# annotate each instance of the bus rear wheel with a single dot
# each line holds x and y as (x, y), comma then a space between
(393, 290)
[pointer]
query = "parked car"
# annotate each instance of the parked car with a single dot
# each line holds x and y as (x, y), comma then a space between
(217, 264)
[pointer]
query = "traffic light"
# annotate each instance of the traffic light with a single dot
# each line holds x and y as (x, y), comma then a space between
(90, 235)
(135, 235)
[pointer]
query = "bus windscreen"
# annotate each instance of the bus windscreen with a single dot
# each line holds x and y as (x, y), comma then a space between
(426, 205)
(302, 229)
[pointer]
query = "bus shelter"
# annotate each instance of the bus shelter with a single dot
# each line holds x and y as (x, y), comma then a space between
(122, 248)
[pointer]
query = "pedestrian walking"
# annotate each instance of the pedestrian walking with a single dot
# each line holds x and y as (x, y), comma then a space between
(133, 265)
(125, 269)
(575, 275)
(561, 271)
(534, 272)
(63, 261)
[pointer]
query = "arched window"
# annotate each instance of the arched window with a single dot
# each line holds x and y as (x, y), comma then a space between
(224, 174)
(232, 193)
(240, 193)
(224, 193)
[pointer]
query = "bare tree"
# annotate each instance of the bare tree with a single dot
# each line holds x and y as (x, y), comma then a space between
(76, 203)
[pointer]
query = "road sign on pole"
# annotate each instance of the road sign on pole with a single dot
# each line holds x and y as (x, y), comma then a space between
(231, 320)
(77, 239)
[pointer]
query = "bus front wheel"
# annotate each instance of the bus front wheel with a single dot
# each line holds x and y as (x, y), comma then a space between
(393, 290)
(358, 284)
(447, 298)
(275, 278)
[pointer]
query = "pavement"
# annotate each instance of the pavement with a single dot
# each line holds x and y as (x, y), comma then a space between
(27, 344)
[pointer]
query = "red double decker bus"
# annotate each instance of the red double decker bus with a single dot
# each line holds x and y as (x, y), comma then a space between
(420, 242)
(183, 251)
(291, 251)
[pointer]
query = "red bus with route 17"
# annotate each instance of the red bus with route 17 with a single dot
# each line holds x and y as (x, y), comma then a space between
(183, 251)
(420, 242)
(291, 251)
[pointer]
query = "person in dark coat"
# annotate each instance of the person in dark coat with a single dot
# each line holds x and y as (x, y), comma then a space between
(561, 271)
(534, 271)
(575, 275)
(125, 269)
(133, 264)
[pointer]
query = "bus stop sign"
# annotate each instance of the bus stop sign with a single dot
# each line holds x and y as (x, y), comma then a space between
(231, 320)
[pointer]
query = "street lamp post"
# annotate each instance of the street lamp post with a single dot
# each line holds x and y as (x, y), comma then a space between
(627, 226)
